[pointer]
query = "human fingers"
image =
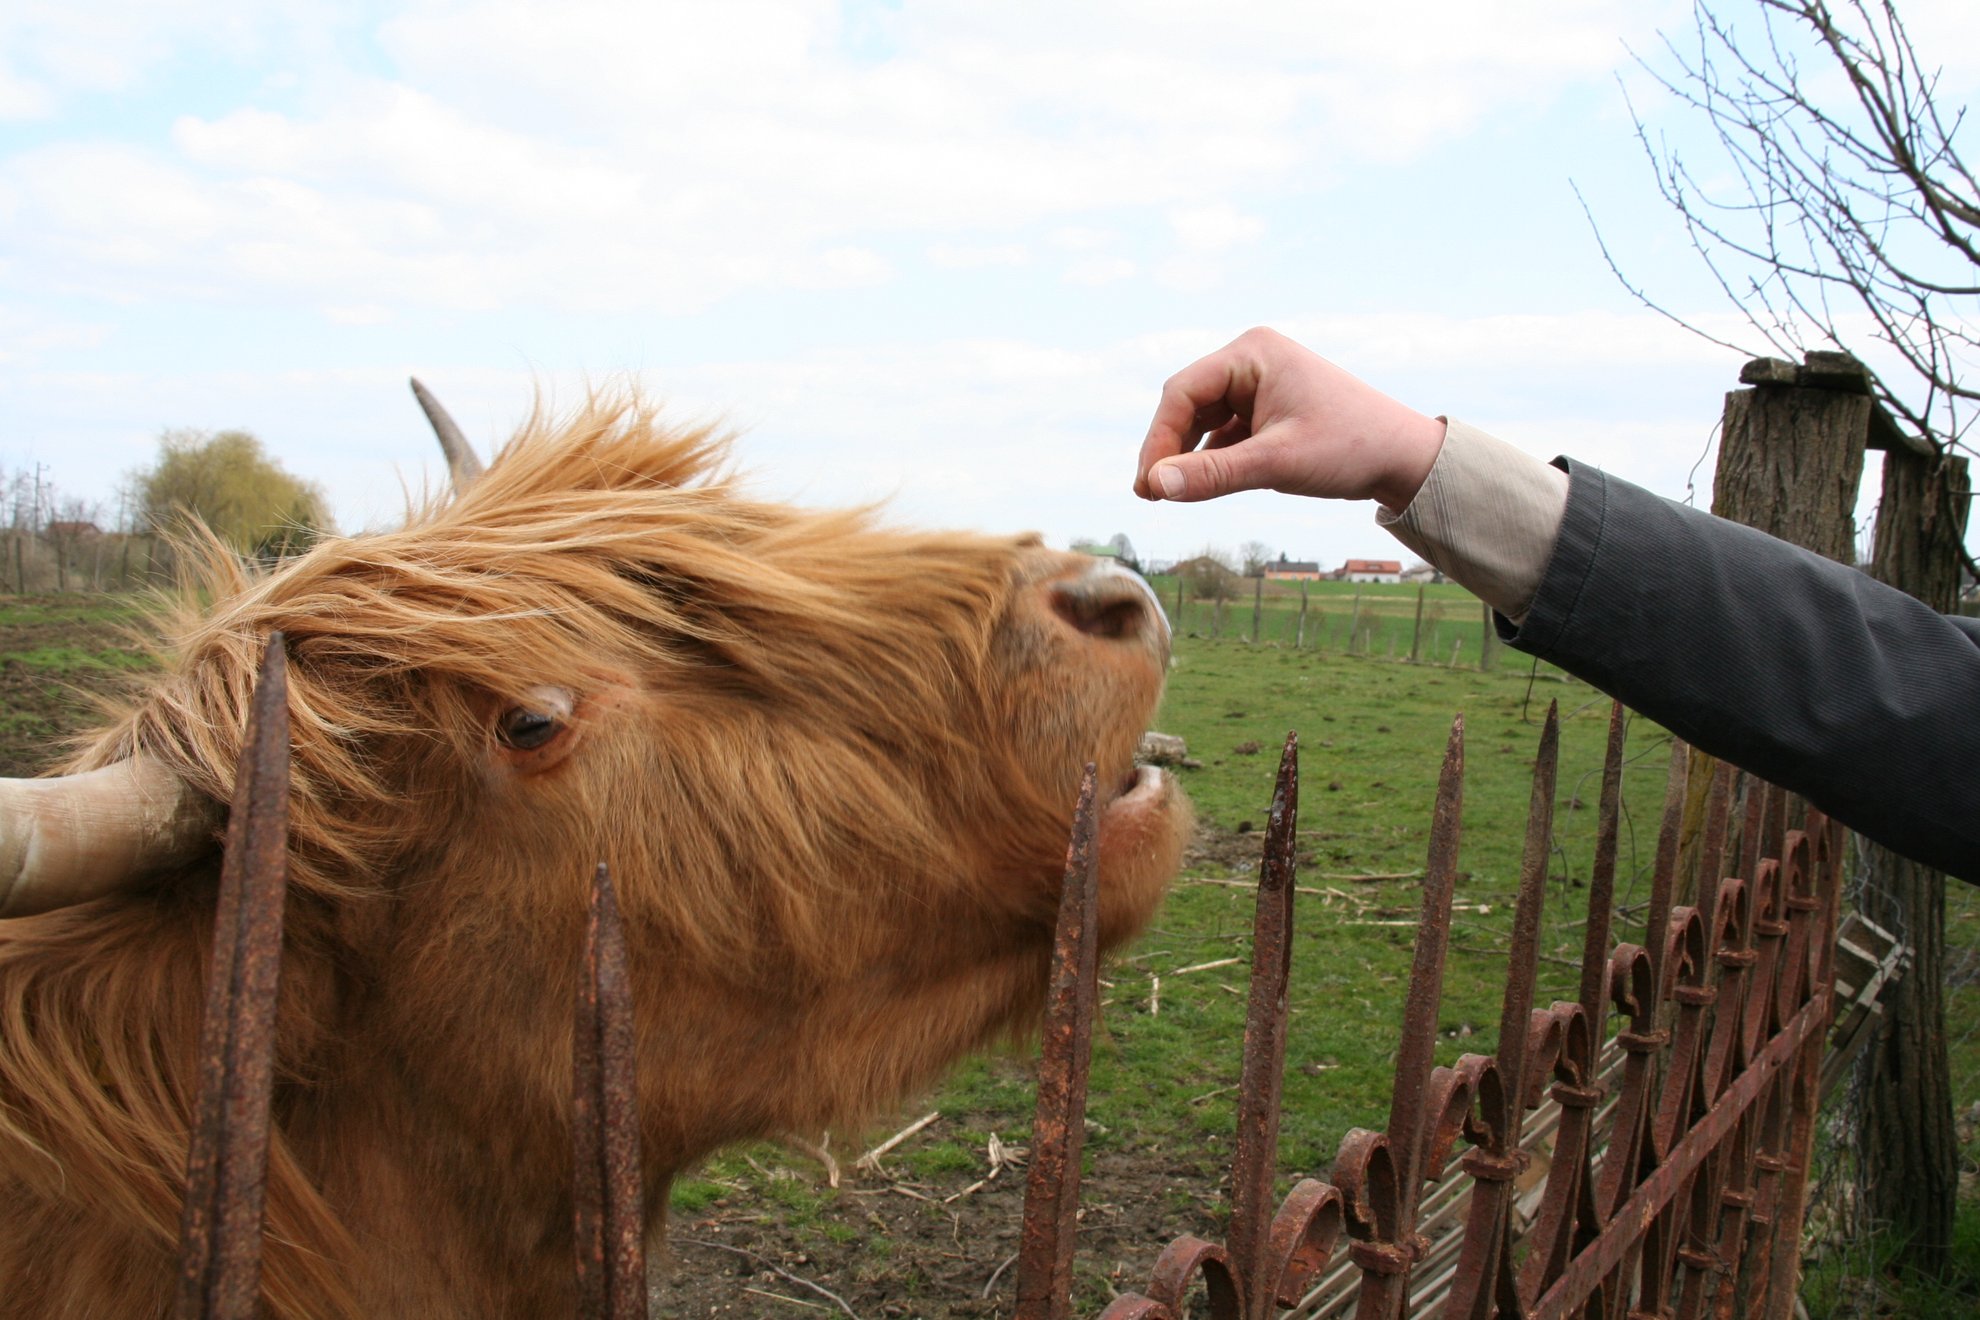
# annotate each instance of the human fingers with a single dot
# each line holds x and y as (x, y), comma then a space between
(1205, 396)
(1231, 459)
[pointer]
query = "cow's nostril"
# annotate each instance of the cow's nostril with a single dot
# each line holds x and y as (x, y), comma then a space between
(1102, 618)
(1109, 602)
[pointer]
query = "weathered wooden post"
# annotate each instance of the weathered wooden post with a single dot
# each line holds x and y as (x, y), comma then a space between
(1906, 1141)
(1416, 637)
(1790, 463)
(1487, 637)
(1299, 636)
(1354, 622)
(1257, 607)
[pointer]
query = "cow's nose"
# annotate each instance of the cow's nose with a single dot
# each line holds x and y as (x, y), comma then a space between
(1109, 600)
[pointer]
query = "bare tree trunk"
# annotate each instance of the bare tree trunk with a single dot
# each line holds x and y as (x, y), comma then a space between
(1907, 1148)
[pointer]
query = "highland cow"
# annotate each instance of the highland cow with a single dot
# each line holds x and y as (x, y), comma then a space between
(831, 767)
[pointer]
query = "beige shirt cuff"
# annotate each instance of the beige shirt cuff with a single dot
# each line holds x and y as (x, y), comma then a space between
(1486, 517)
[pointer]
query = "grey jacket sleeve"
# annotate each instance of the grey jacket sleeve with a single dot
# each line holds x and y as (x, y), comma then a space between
(1803, 671)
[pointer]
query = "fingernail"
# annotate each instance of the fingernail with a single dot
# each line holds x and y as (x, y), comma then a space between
(1170, 479)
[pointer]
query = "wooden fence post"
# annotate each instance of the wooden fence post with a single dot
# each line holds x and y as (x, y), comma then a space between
(1299, 637)
(1907, 1144)
(1354, 621)
(1416, 637)
(1790, 463)
(1257, 607)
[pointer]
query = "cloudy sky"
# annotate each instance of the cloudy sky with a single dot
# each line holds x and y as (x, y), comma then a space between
(935, 251)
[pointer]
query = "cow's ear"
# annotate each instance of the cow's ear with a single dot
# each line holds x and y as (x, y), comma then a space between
(537, 730)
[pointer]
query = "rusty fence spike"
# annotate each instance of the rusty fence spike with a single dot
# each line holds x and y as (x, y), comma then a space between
(1260, 1083)
(1567, 1210)
(220, 1226)
(1484, 1267)
(1051, 1193)
(609, 1211)
(1663, 879)
(1426, 981)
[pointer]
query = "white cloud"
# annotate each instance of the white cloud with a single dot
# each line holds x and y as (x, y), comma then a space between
(1214, 227)
(1099, 270)
(358, 314)
(602, 156)
(966, 256)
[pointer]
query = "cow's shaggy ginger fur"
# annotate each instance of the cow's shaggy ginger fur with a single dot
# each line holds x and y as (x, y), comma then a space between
(829, 764)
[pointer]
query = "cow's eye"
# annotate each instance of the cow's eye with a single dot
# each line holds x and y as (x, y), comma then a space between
(526, 728)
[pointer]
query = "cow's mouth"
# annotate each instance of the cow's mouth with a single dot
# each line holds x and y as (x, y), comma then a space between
(1141, 782)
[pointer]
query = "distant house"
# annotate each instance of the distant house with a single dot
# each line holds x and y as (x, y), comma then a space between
(64, 530)
(1292, 570)
(1116, 547)
(1423, 573)
(1372, 570)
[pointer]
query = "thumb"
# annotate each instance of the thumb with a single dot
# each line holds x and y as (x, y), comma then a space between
(1205, 474)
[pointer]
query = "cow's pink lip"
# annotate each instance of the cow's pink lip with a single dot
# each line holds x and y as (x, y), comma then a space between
(1144, 782)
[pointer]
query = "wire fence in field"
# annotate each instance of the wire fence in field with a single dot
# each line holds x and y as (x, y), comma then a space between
(1430, 624)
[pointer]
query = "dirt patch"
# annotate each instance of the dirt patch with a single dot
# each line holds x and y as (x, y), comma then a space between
(49, 667)
(909, 1250)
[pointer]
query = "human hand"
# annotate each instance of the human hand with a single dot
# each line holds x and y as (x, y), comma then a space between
(1263, 413)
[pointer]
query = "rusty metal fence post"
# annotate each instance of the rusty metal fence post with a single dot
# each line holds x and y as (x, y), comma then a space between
(227, 1163)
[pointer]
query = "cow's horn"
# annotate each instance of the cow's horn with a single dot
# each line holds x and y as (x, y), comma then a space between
(462, 464)
(66, 840)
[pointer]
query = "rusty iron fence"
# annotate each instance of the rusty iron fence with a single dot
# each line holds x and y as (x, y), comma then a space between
(1677, 1157)
(1675, 1153)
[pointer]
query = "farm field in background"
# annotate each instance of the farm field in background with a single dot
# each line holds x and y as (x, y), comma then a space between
(1361, 618)
(924, 1231)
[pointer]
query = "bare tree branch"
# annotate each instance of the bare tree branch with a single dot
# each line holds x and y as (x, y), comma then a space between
(1821, 207)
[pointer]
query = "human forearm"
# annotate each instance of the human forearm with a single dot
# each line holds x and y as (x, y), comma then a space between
(1806, 672)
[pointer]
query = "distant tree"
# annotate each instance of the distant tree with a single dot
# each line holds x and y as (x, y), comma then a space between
(227, 481)
(1124, 550)
(1255, 555)
(1209, 575)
